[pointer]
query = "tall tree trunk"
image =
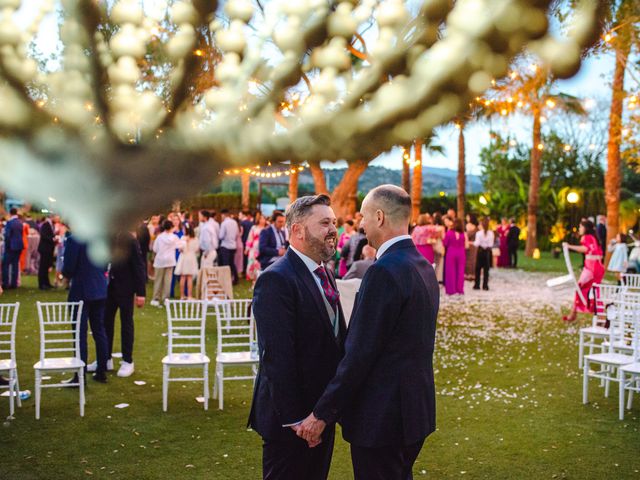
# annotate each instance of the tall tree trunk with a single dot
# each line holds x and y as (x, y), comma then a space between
(416, 184)
(319, 182)
(344, 197)
(534, 188)
(462, 176)
(293, 185)
(245, 180)
(406, 176)
(613, 176)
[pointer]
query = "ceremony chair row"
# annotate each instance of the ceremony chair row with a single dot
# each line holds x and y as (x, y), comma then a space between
(60, 346)
(615, 332)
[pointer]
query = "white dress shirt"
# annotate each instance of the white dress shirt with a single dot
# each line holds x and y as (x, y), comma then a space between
(228, 233)
(385, 246)
(484, 239)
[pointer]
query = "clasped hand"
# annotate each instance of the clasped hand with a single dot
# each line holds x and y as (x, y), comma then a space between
(310, 429)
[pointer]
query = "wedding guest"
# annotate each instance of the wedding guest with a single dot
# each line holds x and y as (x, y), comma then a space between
(356, 242)
(601, 232)
(513, 240)
(619, 261)
(208, 238)
(343, 241)
(422, 237)
(252, 247)
(62, 232)
(593, 270)
(178, 231)
(144, 241)
(187, 265)
(455, 242)
(438, 247)
(470, 229)
(127, 282)
(360, 267)
(503, 231)
(13, 245)
(273, 241)
(229, 231)
(164, 247)
(46, 249)
(484, 243)
(246, 222)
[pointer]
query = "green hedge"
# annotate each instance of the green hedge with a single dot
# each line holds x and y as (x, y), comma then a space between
(219, 201)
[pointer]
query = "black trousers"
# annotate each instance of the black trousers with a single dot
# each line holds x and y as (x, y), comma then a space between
(513, 256)
(483, 264)
(93, 315)
(292, 459)
(227, 257)
(385, 463)
(125, 304)
(46, 260)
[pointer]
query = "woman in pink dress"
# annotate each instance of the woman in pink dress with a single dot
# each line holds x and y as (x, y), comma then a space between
(502, 231)
(342, 241)
(455, 242)
(423, 237)
(251, 247)
(593, 270)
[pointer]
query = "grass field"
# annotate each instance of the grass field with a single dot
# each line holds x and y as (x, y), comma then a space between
(509, 407)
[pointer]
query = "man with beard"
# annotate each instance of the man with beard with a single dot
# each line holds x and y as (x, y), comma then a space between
(301, 332)
(383, 392)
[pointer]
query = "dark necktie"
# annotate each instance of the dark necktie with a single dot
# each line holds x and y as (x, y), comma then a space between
(330, 293)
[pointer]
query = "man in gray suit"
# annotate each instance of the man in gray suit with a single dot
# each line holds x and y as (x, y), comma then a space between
(360, 267)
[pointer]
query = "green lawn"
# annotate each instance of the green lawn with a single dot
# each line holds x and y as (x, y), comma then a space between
(546, 262)
(509, 406)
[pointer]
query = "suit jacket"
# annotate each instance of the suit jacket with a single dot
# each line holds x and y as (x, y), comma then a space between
(47, 239)
(88, 281)
(13, 235)
(127, 276)
(298, 350)
(268, 247)
(513, 236)
(358, 269)
(383, 391)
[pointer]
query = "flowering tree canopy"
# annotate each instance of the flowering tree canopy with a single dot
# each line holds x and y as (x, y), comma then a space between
(110, 143)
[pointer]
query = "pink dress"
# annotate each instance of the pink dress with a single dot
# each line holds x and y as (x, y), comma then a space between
(342, 266)
(592, 273)
(455, 261)
(503, 259)
(422, 237)
(253, 241)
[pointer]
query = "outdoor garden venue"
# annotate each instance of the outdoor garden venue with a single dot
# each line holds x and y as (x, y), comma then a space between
(318, 239)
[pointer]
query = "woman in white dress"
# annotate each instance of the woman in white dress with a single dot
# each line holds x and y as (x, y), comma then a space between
(187, 266)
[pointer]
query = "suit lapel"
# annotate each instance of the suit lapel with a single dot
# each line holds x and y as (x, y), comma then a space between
(304, 275)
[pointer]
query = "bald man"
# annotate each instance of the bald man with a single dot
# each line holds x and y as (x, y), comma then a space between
(383, 393)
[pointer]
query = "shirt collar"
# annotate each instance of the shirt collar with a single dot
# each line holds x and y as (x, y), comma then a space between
(309, 262)
(392, 241)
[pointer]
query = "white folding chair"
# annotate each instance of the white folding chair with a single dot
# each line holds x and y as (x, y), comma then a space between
(611, 361)
(631, 280)
(8, 366)
(237, 343)
(186, 319)
(630, 373)
(212, 289)
(592, 337)
(59, 346)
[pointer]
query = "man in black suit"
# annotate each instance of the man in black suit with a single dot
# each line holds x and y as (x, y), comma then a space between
(383, 392)
(301, 332)
(13, 246)
(273, 241)
(601, 233)
(246, 222)
(46, 247)
(127, 284)
(513, 240)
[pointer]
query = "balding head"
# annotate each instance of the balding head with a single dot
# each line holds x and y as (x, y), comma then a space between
(386, 213)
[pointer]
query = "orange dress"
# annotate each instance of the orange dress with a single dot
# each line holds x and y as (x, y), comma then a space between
(25, 242)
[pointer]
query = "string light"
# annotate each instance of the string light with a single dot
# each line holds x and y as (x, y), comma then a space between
(198, 53)
(258, 172)
(540, 146)
(551, 103)
(567, 148)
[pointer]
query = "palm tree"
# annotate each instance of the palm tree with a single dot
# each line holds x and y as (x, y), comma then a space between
(406, 173)
(529, 91)
(622, 35)
(416, 182)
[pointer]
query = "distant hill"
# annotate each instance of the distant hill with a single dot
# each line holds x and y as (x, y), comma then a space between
(434, 180)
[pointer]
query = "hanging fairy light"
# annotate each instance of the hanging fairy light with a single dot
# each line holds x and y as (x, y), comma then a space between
(259, 172)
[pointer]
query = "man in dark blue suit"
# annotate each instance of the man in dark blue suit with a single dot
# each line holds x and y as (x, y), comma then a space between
(13, 246)
(89, 284)
(273, 241)
(301, 332)
(383, 393)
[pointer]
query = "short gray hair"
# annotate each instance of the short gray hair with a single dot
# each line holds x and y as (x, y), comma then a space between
(393, 201)
(301, 208)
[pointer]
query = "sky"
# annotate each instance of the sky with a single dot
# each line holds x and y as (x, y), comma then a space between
(590, 82)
